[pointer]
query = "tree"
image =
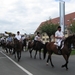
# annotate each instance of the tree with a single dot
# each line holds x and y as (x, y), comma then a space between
(72, 27)
(49, 28)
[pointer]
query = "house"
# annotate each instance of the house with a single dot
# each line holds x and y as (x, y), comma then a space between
(69, 18)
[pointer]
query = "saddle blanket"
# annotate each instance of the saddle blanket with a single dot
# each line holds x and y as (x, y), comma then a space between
(58, 45)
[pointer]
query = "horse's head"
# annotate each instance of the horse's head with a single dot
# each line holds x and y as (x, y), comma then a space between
(15, 39)
(69, 41)
(30, 44)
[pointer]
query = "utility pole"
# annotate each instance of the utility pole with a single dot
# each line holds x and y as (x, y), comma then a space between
(62, 15)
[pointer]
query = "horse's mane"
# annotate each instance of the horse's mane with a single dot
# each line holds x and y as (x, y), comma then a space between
(68, 39)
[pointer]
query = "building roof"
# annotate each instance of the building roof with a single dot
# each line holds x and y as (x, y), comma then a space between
(68, 19)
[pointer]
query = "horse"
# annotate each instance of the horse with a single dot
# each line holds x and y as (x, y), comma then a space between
(24, 43)
(38, 47)
(3, 44)
(17, 48)
(9, 47)
(51, 48)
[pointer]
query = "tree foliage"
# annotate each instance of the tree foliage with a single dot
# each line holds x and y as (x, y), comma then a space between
(72, 27)
(49, 28)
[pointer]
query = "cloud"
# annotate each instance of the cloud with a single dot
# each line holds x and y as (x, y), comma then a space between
(27, 15)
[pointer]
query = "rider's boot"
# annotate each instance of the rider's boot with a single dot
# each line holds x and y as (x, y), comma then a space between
(59, 50)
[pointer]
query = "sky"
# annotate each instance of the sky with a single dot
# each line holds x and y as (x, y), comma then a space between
(26, 15)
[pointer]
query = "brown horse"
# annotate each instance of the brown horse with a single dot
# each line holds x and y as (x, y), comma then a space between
(24, 44)
(17, 48)
(51, 48)
(38, 47)
(9, 47)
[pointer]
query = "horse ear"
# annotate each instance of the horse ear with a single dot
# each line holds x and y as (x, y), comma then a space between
(74, 35)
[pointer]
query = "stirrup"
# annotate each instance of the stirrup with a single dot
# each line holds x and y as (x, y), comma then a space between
(59, 52)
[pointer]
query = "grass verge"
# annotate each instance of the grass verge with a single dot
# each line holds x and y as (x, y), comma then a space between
(73, 52)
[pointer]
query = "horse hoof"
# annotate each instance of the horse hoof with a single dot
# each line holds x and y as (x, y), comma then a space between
(30, 56)
(15, 57)
(47, 64)
(34, 57)
(40, 58)
(62, 66)
(67, 69)
(18, 60)
(52, 66)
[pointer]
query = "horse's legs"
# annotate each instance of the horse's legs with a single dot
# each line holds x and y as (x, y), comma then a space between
(13, 51)
(51, 61)
(18, 55)
(15, 55)
(66, 58)
(25, 47)
(22, 48)
(40, 54)
(35, 54)
(9, 50)
(47, 60)
(6, 50)
(30, 51)
(49, 57)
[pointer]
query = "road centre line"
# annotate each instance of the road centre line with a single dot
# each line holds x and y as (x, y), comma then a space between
(26, 71)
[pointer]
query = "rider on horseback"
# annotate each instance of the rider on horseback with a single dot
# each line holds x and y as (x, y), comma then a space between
(18, 36)
(9, 39)
(59, 37)
(37, 39)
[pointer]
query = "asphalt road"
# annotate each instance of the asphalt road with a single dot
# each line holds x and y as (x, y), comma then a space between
(30, 66)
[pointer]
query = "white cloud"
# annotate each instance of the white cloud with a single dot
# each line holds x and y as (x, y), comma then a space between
(26, 15)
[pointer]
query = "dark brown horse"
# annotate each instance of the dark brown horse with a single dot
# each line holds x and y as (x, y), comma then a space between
(24, 44)
(65, 51)
(38, 47)
(17, 48)
(9, 47)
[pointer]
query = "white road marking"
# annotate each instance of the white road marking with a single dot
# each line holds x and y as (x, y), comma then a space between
(26, 71)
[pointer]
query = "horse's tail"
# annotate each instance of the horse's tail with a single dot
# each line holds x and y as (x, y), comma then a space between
(45, 51)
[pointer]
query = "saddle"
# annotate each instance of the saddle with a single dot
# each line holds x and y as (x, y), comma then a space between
(59, 47)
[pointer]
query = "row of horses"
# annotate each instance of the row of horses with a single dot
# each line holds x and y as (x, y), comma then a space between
(47, 48)
(14, 47)
(50, 48)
